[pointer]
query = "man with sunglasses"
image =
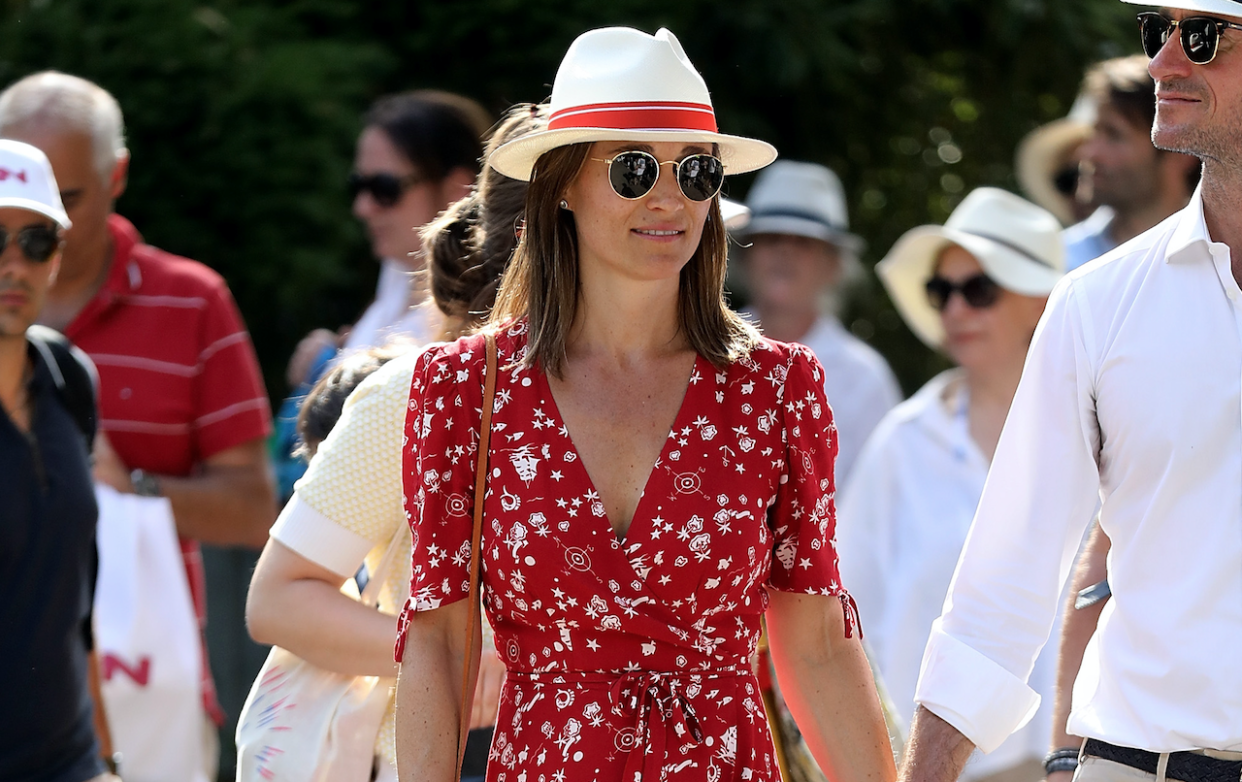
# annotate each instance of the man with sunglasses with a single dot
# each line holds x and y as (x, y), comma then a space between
(183, 412)
(1130, 400)
(48, 515)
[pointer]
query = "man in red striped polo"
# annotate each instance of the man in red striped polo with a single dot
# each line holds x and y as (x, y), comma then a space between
(183, 410)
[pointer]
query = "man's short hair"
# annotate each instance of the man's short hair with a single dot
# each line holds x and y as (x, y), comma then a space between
(1124, 84)
(68, 102)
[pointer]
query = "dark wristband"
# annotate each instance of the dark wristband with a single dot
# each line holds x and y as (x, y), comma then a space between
(1064, 759)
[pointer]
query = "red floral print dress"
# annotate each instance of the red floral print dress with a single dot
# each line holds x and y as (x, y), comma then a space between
(627, 659)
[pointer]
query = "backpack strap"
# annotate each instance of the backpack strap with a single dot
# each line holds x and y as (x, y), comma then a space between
(74, 375)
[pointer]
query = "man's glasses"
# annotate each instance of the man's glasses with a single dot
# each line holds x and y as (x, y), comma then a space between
(385, 188)
(633, 174)
(1200, 35)
(979, 291)
(37, 242)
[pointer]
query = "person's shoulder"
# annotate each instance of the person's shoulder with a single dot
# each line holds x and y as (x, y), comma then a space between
(921, 416)
(466, 357)
(157, 272)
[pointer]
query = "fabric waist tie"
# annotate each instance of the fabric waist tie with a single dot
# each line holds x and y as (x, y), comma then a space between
(658, 702)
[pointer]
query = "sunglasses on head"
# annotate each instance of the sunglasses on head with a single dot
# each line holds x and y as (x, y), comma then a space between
(37, 242)
(633, 174)
(979, 291)
(385, 188)
(1200, 35)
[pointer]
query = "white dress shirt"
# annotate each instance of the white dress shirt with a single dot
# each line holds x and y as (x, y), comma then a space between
(859, 385)
(901, 522)
(390, 317)
(1132, 395)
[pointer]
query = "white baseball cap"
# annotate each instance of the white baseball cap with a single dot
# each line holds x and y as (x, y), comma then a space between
(1223, 7)
(800, 199)
(27, 182)
(1017, 243)
(621, 84)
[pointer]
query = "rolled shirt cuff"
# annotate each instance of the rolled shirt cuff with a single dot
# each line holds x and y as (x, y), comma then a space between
(313, 535)
(983, 700)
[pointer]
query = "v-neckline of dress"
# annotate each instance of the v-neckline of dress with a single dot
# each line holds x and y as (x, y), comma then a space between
(626, 540)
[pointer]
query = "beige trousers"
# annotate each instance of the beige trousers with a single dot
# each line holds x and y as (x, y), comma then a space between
(1100, 770)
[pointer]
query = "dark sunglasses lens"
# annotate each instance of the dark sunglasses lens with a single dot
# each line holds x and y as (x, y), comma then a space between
(384, 188)
(1066, 181)
(633, 174)
(980, 291)
(700, 176)
(938, 292)
(37, 243)
(1199, 38)
(1154, 32)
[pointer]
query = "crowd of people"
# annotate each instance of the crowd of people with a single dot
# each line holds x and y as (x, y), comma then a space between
(551, 509)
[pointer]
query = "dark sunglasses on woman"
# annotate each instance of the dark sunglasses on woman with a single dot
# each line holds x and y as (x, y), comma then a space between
(384, 187)
(37, 242)
(632, 174)
(979, 291)
(1200, 35)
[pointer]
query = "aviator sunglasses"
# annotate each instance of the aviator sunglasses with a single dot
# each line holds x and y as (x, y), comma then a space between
(979, 291)
(37, 242)
(632, 174)
(1200, 35)
(385, 188)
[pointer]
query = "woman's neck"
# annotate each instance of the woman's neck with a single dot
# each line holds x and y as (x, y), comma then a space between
(991, 391)
(627, 319)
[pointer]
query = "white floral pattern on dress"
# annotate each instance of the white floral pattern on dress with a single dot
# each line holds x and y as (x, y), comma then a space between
(627, 659)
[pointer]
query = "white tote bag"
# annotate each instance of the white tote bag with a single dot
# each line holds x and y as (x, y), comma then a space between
(304, 724)
(147, 640)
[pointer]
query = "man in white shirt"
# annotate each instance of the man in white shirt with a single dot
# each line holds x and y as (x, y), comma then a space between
(800, 257)
(1132, 397)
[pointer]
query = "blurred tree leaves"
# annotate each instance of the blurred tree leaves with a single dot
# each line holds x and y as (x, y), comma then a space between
(242, 114)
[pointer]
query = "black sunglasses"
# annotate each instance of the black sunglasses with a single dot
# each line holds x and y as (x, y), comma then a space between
(385, 188)
(37, 242)
(979, 291)
(633, 174)
(1200, 34)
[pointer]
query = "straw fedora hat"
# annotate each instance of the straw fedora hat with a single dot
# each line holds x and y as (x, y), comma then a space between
(1047, 150)
(618, 83)
(1017, 243)
(1225, 7)
(800, 199)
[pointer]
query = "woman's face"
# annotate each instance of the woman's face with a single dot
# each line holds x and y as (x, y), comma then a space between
(393, 230)
(650, 238)
(979, 338)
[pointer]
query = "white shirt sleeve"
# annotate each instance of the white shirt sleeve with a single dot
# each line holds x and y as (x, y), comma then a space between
(1040, 495)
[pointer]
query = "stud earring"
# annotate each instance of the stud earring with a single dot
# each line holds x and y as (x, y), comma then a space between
(564, 205)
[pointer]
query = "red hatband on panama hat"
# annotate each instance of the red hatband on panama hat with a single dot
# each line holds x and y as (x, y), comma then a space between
(621, 84)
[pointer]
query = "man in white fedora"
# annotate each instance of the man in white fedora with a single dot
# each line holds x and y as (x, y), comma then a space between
(1129, 398)
(800, 255)
(973, 289)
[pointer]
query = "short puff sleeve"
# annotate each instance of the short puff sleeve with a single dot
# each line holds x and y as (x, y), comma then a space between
(804, 517)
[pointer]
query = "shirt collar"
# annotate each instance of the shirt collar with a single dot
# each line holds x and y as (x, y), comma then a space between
(1189, 240)
(124, 276)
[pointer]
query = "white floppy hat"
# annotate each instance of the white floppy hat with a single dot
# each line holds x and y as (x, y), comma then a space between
(1226, 7)
(618, 83)
(801, 199)
(1045, 151)
(1017, 243)
(26, 181)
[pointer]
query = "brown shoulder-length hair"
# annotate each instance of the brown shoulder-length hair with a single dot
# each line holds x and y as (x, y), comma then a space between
(542, 284)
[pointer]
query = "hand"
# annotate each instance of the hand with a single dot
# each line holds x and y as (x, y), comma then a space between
(109, 469)
(487, 691)
(304, 354)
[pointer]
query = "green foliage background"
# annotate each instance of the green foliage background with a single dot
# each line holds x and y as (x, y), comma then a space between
(242, 113)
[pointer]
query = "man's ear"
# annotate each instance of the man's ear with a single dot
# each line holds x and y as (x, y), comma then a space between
(119, 179)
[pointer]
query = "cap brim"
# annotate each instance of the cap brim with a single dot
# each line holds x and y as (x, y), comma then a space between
(797, 226)
(516, 159)
(1040, 155)
(1222, 7)
(30, 205)
(908, 266)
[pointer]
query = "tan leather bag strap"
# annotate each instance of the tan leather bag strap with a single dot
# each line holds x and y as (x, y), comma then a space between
(474, 621)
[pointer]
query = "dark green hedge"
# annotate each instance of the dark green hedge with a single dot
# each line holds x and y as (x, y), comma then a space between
(242, 113)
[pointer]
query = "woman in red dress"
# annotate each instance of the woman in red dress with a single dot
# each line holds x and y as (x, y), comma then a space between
(660, 476)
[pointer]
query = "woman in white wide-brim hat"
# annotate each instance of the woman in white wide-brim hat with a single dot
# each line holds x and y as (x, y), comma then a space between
(975, 289)
(659, 475)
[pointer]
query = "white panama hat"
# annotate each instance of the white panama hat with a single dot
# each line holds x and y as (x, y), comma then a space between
(1017, 243)
(617, 83)
(800, 199)
(27, 182)
(1225, 7)
(1045, 151)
